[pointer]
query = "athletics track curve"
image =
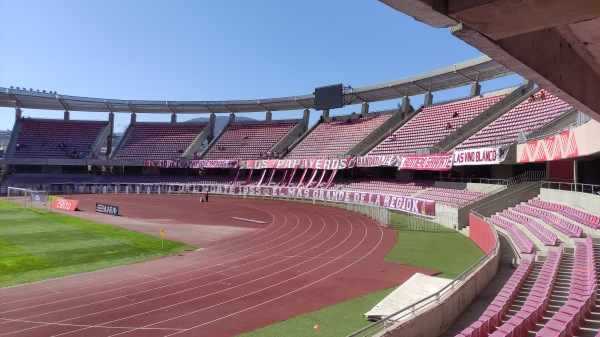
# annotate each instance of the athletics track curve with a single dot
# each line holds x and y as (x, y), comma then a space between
(290, 259)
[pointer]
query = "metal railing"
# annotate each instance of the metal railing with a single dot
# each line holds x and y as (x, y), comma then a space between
(573, 187)
(392, 321)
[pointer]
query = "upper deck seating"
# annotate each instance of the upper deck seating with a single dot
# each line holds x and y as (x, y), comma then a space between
(47, 138)
(336, 137)
(158, 140)
(249, 140)
(433, 124)
(384, 186)
(530, 115)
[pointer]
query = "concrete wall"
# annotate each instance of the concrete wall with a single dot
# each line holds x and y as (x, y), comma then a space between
(500, 201)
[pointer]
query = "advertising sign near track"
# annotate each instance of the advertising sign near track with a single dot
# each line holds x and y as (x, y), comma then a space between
(481, 156)
(65, 204)
(427, 162)
(107, 209)
(311, 163)
(374, 161)
(37, 197)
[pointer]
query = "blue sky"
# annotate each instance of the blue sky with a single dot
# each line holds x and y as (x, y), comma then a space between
(215, 50)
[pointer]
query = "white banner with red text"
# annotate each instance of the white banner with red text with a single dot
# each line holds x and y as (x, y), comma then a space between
(310, 163)
(481, 156)
(427, 162)
(374, 161)
(196, 163)
(400, 203)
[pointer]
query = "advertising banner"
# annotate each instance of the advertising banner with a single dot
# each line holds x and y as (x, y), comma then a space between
(399, 203)
(374, 161)
(107, 209)
(427, 162)
(65, 204)
(481, 156)
(215, 163)
(311, 163)
(37, 197)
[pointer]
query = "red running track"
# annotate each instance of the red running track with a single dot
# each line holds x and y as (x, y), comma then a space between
(291, 259)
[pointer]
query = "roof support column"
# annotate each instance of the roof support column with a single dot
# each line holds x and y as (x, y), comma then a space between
(475, 89)
(111, 126)
(67, 115)
(173, 118)
(405, 106)
(364, 109)
(231, 118)
(269, 116)
(428, 99)
(211, 125)
(18, 114)
(133, 117)
(326, 113)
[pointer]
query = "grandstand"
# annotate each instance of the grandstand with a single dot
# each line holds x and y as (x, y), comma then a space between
(157, 140)
(249, 140)
(45, 138)
(335, 137)
(553, 236)
(432, 124)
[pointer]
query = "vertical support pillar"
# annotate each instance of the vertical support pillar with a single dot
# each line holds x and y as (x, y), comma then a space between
(364, 109)
(173, 118)
(67, 115)
(428, 99)
(133, 117)
(475, 89)
(18, 114)
(212, 120)
(405, 105)
(231, 118)
(269, 116)
(109, 139)
(326, 113)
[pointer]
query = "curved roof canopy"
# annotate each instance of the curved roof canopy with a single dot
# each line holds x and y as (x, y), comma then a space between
(461, 74)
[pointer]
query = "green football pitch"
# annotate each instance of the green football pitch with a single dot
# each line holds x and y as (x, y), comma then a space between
(38, 245)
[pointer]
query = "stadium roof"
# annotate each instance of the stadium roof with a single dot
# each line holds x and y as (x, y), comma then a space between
(553, 43)
(461, 74)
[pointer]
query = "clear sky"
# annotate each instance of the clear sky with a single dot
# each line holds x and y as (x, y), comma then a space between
(215, 50)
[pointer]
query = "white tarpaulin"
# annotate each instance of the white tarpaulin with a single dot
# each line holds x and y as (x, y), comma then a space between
(418, 287)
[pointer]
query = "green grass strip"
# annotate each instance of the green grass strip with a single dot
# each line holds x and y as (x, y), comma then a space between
(39, 245)
(336, 320)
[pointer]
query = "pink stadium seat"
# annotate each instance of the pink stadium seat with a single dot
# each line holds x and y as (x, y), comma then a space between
(158, 140)
(247, 140)
(47, 138)
(336, 137)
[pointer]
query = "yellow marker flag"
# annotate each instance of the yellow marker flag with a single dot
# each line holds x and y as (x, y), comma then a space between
(162, 232)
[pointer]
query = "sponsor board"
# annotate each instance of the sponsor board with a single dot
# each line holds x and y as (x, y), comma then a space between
(37, 197)
(311, 163)
(107, 209)
(65, 204)
(374, 161)
(216, 163)
(428, 162)
(481, 156)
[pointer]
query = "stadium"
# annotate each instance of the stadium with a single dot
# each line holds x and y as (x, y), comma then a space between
(468, 216)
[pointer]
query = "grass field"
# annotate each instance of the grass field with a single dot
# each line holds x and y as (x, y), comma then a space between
(39, 245)
(434, 248)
